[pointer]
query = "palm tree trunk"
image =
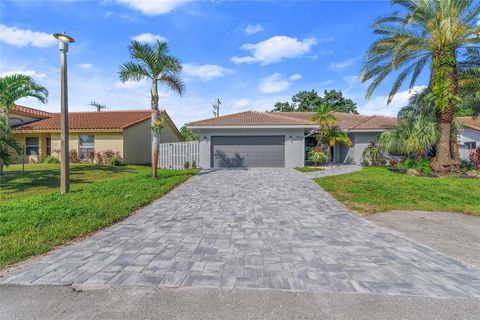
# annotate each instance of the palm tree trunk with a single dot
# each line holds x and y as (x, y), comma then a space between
(155, 136)
(444, 84)
(454, 148)
(6, 115)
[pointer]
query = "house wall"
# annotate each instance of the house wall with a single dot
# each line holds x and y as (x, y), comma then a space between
(20, 138)
(467, 135)
(353, 154)
(294, 146)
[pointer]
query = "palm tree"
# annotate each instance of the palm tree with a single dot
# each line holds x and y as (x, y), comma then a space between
(12, 88)
(324, 118)
(334, 135)
(426, 32)
(7, 142)
(152, 62)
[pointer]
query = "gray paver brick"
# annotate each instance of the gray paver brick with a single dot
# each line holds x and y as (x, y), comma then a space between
(255, 228)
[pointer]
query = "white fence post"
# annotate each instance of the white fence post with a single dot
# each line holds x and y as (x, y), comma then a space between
(175, 155)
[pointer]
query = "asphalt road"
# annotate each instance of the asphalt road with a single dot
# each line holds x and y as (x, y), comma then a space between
(63, 302)
(454, 234)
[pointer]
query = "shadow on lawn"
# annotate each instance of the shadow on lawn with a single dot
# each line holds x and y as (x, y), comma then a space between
(14, 181)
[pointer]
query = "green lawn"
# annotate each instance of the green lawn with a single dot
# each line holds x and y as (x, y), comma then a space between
(309, 169)
(378, 189)
(35, 217)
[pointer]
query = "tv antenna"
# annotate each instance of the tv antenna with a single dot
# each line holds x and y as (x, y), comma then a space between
(216, 108)
(98, 105)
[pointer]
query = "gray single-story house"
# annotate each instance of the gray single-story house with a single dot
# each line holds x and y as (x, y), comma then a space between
(278, 139)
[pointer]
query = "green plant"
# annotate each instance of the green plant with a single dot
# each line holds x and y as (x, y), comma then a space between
(324, 118)
(475, 157)
(116, 160)
(373, 154)
(186, 165)
(441, 35)
(152, 62)
(333, 135)
(317, 156)
(6, 142)
(51, 159)
(194, 164)
(422, 166)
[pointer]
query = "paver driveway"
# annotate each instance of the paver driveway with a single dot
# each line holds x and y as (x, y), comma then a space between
(256, 228)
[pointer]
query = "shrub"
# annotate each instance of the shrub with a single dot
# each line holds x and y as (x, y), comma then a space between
(73, 156)
(186, 165)
(51, 159)
(423, 166)
(194, 164)
(393, 162)
(373, 154)
(475, 157)
(116, 160)
(91, 156)
(317, 156)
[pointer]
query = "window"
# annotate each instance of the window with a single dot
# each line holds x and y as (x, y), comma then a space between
(471, 145)
(31, 146)
(48, 145)
(85, 146)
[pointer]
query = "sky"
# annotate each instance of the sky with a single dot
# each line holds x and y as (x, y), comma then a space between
(248, 54)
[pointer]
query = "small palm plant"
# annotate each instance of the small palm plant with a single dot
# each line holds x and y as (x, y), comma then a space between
(152, 62)
(324, 118)
(13, 88)
(373, 154)
(334, 135)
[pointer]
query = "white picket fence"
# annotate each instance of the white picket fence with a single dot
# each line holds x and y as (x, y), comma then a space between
(175, 155)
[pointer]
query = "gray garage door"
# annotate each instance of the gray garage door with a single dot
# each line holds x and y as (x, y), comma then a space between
(248, 151)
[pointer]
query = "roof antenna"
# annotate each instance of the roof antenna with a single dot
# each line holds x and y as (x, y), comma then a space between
(98, 106)
(216, 108)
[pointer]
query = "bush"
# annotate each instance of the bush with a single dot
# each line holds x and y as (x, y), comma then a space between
(194, 164)
(116, 160)
(475, 157)
(393, 162)
(186, 165)
(373, 154)
(51, 159)
(317, 156)
(73, 156)
(422, 166)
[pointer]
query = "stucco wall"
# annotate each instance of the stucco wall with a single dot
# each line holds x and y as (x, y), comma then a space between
(20, 138)
(467, 135)
(294, 146)
(360, 141)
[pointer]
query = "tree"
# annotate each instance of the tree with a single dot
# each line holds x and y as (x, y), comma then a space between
(188, 134)
(333, 135)
(152, 62)
(6, 141)
(323, 117)
(12, 88)
(436, 33)
(310, 100)
(338, 102)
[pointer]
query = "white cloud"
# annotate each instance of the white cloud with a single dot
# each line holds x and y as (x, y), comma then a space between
(273, 83)
(85, 65)
(205, 72)
(378, 105)
(154, 7)
(241, 103)
(296, 76)
(325, 83)
(22, 37)
(148, 37)
(275, 50)
(251, 29)
(337, 66)
(35, 75)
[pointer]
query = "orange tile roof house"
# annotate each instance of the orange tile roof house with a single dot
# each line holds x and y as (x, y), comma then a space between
(279, 139)
(126, 132)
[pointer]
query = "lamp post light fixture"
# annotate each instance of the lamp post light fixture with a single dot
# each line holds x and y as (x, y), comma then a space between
(63, 41)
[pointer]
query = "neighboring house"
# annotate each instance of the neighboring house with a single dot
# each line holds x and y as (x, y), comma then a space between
(469, 136)
(278, 139)
(126, 132)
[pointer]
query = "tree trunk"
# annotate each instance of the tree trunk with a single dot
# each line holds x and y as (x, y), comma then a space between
(454, 148)
(3, 114)
(155, 136)
(444, 83)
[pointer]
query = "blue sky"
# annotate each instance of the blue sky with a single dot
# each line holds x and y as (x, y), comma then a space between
(249, 54)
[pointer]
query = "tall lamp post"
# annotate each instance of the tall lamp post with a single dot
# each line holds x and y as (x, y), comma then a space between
(63, 41)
